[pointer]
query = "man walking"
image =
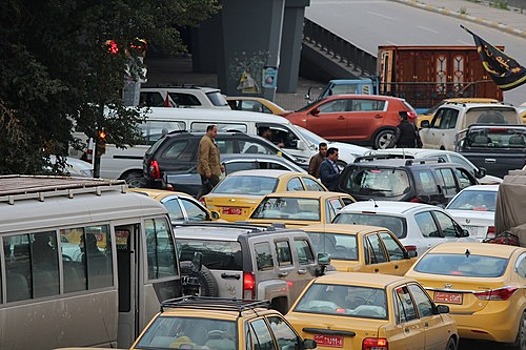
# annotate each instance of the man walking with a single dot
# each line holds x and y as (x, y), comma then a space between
(407, 135)
(329, 171)
(208, 162)
(317, 159)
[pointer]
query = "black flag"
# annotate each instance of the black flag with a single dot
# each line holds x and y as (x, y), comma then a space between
(503, 69)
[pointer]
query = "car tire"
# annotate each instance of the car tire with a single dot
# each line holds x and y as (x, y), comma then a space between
(451, 344)
(209, 287)
(520, 341)
(384, 139)
(134, 179)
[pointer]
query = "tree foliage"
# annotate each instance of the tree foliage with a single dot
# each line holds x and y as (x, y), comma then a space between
(56, 71)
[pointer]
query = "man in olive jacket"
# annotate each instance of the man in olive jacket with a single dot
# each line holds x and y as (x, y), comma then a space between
(208, 162)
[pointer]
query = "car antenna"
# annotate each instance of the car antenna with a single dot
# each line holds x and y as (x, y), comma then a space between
(467, 253)
(372, 200)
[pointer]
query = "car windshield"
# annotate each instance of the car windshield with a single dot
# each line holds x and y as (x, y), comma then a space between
(310, 136)
(216, 255)
(342, 300)
(395, 224)
(168, 332)
(474, 200)
(248, 185)
(338, 246)
(377, 182)
(288, 208)
(464, 264)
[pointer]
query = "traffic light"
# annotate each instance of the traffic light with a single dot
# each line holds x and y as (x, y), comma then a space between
(111, 46)
(138, 47)
(101, 142)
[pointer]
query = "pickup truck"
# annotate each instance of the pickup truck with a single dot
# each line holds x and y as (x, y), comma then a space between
(498, 148)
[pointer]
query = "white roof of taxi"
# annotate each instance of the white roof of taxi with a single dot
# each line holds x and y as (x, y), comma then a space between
(384, 207)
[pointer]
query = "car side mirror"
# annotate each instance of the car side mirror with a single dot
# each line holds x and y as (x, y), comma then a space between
(215, 215)
(197, 262)
(309, 344)
(315, 112)
(323, 260)
(425, 124)
(480, 172)
(411, 254)
(442, 309)
(300, 145)
(464, 233)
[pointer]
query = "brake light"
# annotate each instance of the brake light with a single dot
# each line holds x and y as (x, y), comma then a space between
(415, 200)
(153, 170)
(89, 155)
(411, 115)
(375, 344)
(202, 200)
(496, 294)
(491, 232)
(249, 285)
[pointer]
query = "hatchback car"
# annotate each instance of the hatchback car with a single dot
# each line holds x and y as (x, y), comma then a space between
(254, 104)
(239, 193)
(414, 224)
(351, 310)
(220, 324)
(294, 209)
(405, 180)
(474, 209)
(483, 284)
(361, 119)
(359, 248)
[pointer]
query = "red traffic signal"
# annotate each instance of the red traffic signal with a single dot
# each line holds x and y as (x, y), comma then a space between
(111, 46)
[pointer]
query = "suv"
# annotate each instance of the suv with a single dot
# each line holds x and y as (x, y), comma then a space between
(177, 151)
(189, 96)
(250, 261)
(452, 118)
(411, 180)
(213, 323)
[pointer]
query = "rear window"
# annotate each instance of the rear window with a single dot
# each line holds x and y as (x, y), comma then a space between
(377, 182)
(288, 208)
(217, 98)
(497, 138)
(395, 224)
(249, 185)
(341, 247)
(343, 300)
(474, 200)
(485, 115)
(465, 264)
(217, 255)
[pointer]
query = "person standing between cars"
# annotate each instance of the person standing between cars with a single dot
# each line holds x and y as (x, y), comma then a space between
(407, 135)
(208, 163)
(329, 171)
(317, 159)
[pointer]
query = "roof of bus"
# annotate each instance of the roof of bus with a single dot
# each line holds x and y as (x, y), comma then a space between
(217, 115)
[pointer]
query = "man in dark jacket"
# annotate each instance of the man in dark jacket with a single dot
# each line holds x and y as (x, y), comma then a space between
(316, 160)
(329, 171)
(407, 134)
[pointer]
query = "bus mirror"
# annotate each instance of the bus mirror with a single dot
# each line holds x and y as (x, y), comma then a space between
(197, 262)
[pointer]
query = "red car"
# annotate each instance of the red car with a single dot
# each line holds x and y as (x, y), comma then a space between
(360, 119)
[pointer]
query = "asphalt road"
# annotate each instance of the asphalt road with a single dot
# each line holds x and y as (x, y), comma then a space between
(371, 23)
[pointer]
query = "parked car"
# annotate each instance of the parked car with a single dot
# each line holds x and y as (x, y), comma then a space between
(483, 284)
(360, 248)
(498, 148)
(351, 310)
(177, 151)
(181, 206)
(406, 180)
(428, 115)
(250, 262)
(190, 181)
(418, 226)
(439, 154)
(221, 324)
(186, 95)
(451, 118)
(254, 104)
(298, 209)
(73, 166)
(239, 193)
(361, 119)
(474, 209)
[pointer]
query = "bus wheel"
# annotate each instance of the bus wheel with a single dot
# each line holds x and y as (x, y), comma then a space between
(207, 280)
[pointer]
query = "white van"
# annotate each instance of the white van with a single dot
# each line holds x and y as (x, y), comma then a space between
(126, 164)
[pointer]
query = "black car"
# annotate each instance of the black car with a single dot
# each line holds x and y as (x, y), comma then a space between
(412, 180)
(190, 182)
(177, 152)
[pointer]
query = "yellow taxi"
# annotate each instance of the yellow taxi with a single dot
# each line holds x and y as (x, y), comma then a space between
(428, 115)
(239, 193)
(219, 324)
(254, 104)
(483, 284)
(181, 206)
(360, 248)
(356, 310)
(298, 209)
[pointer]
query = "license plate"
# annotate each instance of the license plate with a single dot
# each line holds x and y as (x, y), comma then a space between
(448, 298)
(232, 211)
(331, 341)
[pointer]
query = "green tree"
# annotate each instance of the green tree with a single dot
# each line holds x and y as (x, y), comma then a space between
(57, 72)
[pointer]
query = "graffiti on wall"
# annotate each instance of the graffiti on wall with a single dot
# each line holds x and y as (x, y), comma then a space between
(245, 70)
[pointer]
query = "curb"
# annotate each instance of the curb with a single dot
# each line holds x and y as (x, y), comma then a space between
(479, 20)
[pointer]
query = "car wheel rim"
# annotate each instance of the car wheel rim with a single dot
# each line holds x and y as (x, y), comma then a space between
(385, 140)
(521, 337)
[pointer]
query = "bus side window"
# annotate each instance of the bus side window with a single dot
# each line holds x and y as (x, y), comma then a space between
(160, 249)
(97, 256)
(74, 272)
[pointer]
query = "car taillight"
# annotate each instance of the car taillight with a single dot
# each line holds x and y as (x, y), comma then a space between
(375, 344)
(202, 200)
(410, 247)
(496, 294)
(491, 232)
(411, 115)
(153, 170)
(249, 285)
(89, 155)
(415, 200)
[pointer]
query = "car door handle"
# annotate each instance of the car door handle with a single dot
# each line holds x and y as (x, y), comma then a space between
(490, 160)
(235, 276)
(378, 116)
(376, 270)
(406, 330)
(396, 266)
(302, 271)
(283, 273)
(341, 118)
(426, 324)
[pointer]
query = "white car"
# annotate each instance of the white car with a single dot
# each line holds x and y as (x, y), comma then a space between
(474, 209)
(416, 225)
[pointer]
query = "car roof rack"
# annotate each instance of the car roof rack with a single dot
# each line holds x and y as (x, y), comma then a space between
(214, 303)
(371, 157)
(238, 224)
(424, 161)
